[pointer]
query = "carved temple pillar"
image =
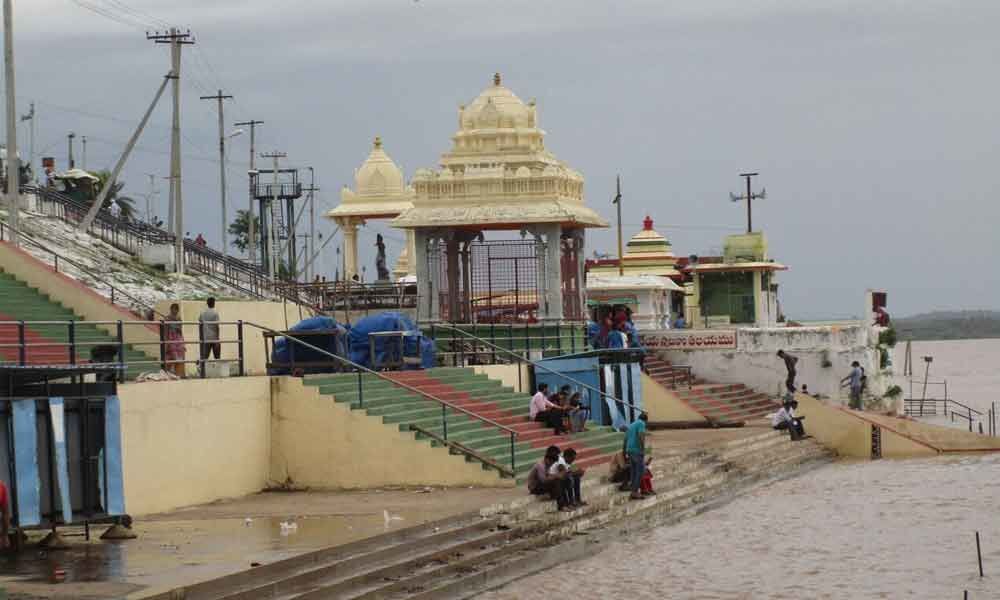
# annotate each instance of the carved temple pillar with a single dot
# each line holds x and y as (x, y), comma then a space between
(349, 225)
(553, 309)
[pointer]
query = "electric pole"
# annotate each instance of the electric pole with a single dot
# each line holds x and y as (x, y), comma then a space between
(70, 160)
(83, 141)
(31, 137)
(222, 168)
(749, 197)
(176, 39)
(149, 197)
(251, 226)
(13, 162)
(270, 236)
(618, 202)
(312, 223)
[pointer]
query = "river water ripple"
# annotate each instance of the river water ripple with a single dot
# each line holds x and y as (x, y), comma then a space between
(884, 529)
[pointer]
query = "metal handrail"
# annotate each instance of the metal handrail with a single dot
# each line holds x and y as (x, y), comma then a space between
(362, 369)
(541, 366)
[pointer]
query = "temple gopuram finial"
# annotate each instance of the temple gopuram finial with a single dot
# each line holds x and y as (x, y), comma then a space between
(378, 141)
(496, 79)
(647, 223)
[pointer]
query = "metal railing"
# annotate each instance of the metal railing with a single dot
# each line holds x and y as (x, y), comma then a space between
(33, 343)
(346, 365)
(116, 295)
(351, 296)
(130, 236)
(522, 359)
(928, 407)
(514, 339)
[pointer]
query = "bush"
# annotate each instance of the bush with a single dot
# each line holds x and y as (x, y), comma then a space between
(887, 338)
(893, 392)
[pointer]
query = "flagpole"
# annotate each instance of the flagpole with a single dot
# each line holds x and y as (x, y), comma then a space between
(618, 203)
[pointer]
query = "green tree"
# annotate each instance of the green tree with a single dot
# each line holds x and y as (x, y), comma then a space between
(239, 229)
(126, 204)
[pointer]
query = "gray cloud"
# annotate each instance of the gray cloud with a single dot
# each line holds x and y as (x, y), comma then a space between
(872, 126)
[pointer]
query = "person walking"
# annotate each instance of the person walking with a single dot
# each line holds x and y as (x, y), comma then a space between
(635, 448)
(208, 321)
(790, 362)
(854, 380)
(174, 348)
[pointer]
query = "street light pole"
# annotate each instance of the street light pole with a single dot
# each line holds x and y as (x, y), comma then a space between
(13, 161)
(618, 203)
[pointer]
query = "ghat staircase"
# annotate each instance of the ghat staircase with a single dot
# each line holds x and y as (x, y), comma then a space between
(477, 394)
(463, 556)
(717, 402)
(48, 325)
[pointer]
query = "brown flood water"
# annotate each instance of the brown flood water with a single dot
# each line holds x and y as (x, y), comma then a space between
(884, 529)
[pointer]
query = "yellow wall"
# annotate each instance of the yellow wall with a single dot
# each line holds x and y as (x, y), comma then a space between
(320, 443)
(193, 441)
(79, 298)
(663, 405)
(851, 436)
(508, 375)
(275, 315)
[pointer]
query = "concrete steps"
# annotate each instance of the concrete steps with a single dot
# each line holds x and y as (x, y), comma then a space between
(719, 402)
(462, 557)
(464, 389)
(48, 339)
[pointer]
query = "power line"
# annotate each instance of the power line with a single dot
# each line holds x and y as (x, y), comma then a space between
(110, 15)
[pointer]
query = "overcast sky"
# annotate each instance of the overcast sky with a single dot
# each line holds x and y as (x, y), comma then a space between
(873, 124)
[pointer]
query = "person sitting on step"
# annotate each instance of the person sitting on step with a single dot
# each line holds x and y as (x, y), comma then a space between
(577, 413)
(785, 419)
(541, 482)
(545, 411)
(573, 474)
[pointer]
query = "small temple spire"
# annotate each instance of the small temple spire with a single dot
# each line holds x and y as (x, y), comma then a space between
(378, 142)
(496, 79)
(647, 223)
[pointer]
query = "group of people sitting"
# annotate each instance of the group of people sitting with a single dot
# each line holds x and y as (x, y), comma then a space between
(562, 411)
(558, 476)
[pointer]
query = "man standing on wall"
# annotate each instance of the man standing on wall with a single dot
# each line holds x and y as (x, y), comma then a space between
(790, 365)
(853, 379)
(208, 322)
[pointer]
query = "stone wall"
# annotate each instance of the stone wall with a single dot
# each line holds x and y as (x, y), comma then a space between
(825, 355)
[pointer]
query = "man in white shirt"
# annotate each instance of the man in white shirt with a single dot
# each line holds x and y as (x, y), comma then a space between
(545, 411)
(785, 419)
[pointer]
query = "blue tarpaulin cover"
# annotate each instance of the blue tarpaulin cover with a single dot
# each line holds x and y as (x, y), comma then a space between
(351, 342)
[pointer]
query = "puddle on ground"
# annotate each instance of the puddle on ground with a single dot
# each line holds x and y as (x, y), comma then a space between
(175, 552)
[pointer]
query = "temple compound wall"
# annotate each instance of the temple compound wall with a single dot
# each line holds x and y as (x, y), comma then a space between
(748, 355)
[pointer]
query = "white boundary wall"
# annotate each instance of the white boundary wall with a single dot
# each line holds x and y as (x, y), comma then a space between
(755, 363)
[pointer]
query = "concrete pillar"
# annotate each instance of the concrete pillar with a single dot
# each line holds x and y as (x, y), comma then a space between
(427, 287)
(349, 226)
(411, 252)
(759, 316)
(553, 271)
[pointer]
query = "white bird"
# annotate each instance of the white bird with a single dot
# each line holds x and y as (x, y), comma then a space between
(289, 527)
(247, 521)
(389, 518)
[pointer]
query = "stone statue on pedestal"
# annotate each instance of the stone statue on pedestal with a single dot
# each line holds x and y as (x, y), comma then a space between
(383, 272)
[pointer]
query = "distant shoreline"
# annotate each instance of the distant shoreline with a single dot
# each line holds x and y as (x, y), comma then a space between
(949, 325)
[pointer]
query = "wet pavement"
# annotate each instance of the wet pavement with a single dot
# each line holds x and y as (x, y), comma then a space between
(208, 541)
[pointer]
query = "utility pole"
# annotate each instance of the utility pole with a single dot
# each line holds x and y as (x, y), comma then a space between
(150, 196)
(271, 235)
(31, 136)
(618, 202)
(251, 226)
(222, 168)
(750, 197)
(83, 140)
(176, 39)
(70, 160)
(13, 162)
(312, 223)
